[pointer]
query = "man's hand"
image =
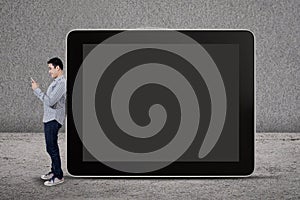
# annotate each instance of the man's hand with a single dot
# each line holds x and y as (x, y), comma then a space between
(34, 84)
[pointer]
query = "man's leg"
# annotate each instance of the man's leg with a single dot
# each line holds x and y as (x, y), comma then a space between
(51, 132)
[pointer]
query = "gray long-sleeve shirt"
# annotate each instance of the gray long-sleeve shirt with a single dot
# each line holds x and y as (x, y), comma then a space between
(54, 100)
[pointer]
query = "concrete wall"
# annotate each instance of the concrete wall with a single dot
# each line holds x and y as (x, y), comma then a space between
(34, 31)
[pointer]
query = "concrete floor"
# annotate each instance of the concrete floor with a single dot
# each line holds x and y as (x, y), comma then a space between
(276, 176)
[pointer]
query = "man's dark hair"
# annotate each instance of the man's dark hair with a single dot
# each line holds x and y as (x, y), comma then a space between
(56, 62)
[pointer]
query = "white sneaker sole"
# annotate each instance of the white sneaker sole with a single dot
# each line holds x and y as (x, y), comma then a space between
(44, 178)
(48, 183)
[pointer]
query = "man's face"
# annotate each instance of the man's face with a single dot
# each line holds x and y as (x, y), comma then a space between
(53, 71)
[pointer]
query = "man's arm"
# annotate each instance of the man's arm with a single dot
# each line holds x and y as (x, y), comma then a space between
(54, 96)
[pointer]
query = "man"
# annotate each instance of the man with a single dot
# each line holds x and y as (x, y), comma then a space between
(54, 115)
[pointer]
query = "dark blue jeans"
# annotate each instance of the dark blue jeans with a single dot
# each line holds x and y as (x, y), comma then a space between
(51, 131)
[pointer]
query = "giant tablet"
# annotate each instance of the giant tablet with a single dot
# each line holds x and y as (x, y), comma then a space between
(160, 103)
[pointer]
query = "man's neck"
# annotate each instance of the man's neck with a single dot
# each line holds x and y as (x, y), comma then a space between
(59, 75)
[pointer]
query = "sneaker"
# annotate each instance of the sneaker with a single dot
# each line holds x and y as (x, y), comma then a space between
(47, 176)
(54, 181)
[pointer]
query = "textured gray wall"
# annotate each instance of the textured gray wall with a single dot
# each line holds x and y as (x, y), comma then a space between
(34, 31)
